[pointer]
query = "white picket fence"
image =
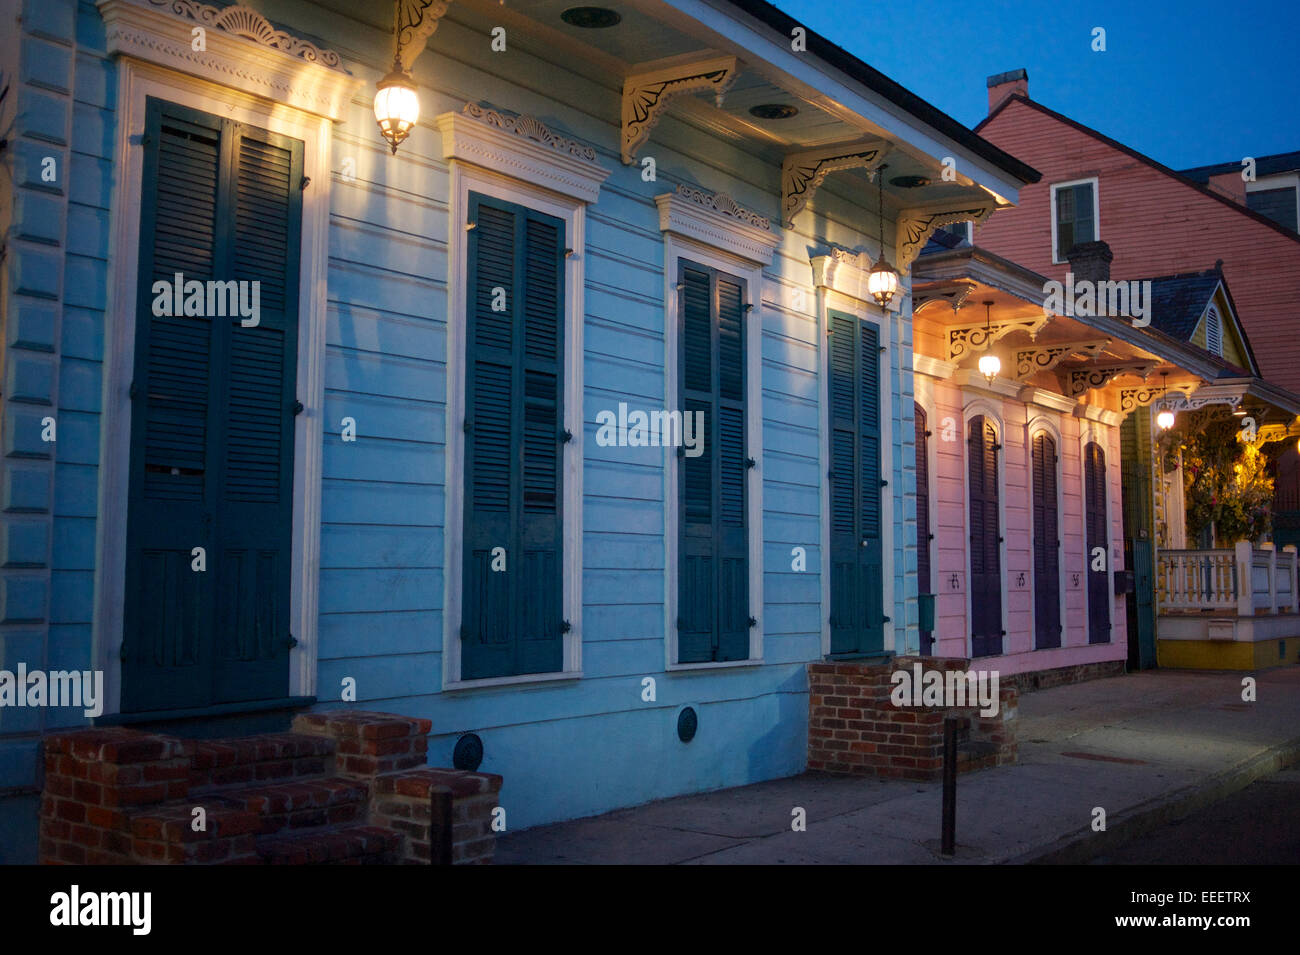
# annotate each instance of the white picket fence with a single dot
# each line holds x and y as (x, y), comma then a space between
(1197, 580)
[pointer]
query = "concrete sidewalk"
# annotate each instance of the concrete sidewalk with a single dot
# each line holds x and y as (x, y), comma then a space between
(1144, 747)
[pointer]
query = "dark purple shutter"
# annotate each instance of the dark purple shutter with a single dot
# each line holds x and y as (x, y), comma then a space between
(1047, 552)
(1094, 492)
(985, 556)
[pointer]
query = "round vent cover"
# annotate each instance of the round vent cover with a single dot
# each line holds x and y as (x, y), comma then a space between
(687, 724)
(773, 111)
(591, 18)
(468, 754)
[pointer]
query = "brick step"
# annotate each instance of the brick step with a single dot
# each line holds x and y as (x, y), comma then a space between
(165, 834)
(269, 757)
(345, 845)
(318, 801)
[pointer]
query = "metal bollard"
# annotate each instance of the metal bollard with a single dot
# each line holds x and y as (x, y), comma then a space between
(949, 841)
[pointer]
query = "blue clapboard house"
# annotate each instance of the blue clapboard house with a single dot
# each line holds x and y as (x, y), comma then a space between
(302, 413)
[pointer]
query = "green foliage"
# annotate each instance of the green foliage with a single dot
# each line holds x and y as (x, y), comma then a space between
(1226, 483)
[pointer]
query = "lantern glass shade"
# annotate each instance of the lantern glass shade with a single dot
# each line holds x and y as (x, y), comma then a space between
(397, 107)
(1165, 420)
(990, 365)
(882, 282)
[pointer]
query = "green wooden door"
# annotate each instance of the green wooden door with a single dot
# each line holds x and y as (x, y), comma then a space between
(212, 423)
(512, 610)
(857, 598)
(713, 616)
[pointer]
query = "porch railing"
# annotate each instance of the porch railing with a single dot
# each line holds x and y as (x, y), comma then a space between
(1246, 580)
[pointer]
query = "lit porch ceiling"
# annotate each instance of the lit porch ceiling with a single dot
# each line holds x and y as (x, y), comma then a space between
(656, 33)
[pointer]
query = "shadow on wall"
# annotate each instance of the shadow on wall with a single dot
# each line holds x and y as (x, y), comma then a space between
(767, 755)
(18, 826)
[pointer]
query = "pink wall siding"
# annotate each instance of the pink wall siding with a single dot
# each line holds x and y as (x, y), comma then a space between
(951, 536)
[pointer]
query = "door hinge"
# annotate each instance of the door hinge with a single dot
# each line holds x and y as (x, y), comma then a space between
(145, 139)
(681, 623)
(753, 622)
(883, 349)
(306, 181)
(566, 436)
(122, 654)
(750, 462)
(470, 225)
(884, 483)
(291, 642)
(565, 626)
(929, 433)
(132, 391)
(298, 408)
(886, 620)
(468, 426)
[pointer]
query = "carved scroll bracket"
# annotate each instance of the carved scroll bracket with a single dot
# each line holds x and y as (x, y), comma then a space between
(645, 95)
(1030, 361)
(954, 294)
(915, 226)
(416, 22)
(1076, 381)
(803, 172)
(965, 340)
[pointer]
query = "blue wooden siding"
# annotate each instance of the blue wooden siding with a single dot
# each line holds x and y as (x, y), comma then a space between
(567, 749)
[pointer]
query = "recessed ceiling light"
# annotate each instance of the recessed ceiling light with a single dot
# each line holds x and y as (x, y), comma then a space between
(773, 111)
(591, 18)
(909, 182)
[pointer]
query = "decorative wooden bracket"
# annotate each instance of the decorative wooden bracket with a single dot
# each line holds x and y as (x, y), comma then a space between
(646, 94)
(1030, 361)
(416, 22)
(1194, 401)
(953, 293)
(1266, 433)
(803, 172)
(1076, 381)
(915, 226)
(965, 340)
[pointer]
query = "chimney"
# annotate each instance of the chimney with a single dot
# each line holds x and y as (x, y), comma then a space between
(1002, 85)
(1090, 261)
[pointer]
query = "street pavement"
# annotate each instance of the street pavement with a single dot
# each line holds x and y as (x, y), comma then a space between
(1147, 748)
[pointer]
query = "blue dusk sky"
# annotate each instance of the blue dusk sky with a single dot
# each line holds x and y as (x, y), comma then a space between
(1187, 82)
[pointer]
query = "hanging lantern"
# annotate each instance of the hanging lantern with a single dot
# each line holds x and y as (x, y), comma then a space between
(1165, 419)
(397, 106)
(882, 282)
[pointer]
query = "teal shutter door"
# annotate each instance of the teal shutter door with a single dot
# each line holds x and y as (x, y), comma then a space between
(857, 599)
(713, 594)
(512, 617)
(212, 419)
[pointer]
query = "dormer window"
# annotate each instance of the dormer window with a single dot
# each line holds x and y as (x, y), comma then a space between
(1074, 216)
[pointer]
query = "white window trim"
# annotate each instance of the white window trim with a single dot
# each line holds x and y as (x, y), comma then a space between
(678, 246)
(466, 178)
(973, 407)
(829, 299)
(136, 82)
(1096, 211)
(1087, 434)
(1045, 425)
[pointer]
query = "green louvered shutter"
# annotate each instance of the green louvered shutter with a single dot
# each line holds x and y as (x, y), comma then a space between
(857, 600)
(512, 619)
(713, 593)
(212, 423)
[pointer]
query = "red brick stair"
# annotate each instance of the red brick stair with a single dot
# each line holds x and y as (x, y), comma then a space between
(346, 787)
